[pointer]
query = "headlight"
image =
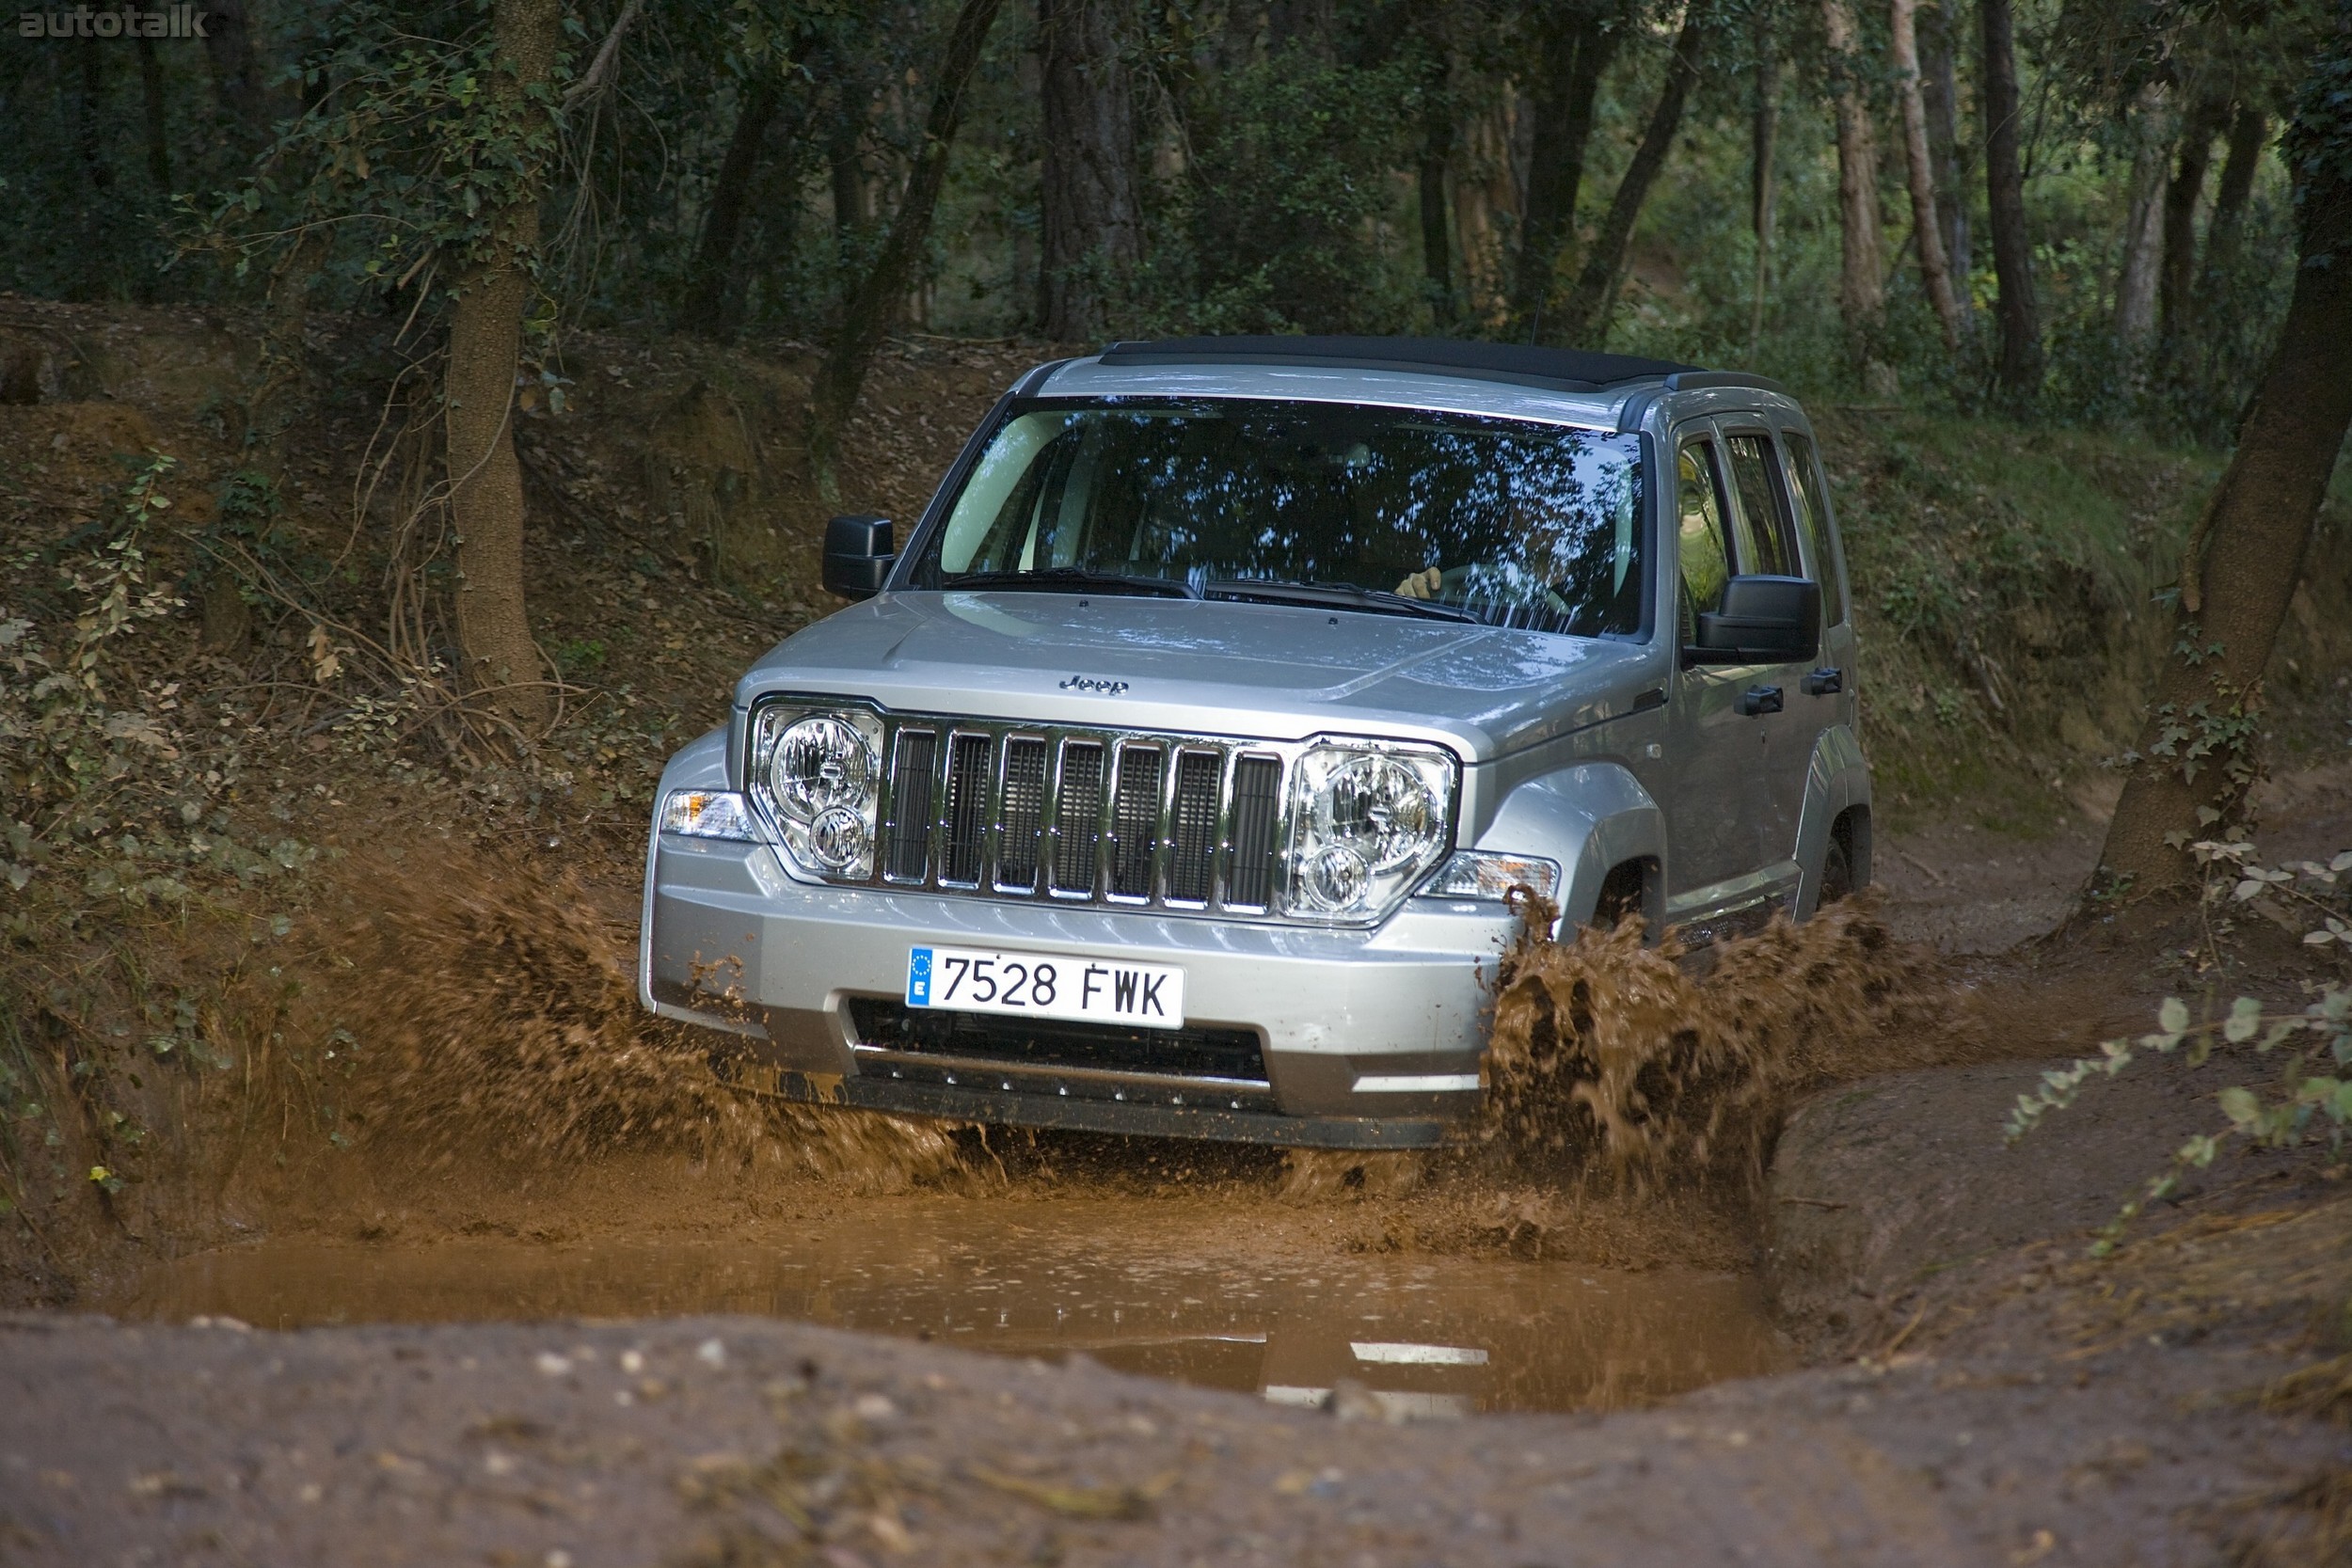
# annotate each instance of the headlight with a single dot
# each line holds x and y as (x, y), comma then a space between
(1367, 822)
(820, 775)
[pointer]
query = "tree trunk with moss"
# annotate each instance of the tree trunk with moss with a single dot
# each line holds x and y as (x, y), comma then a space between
(1584, 321)
(1862, 275)
(713, 305)
(1927, 230)
(1573, 48)
(875, 305)
(2194, 760)
(1089, 212)
(2020, 364)
(503, 661)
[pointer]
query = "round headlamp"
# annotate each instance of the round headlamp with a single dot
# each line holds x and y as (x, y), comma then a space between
(821, 766)
(1382, 810)
(819, 777)
(1368, 820)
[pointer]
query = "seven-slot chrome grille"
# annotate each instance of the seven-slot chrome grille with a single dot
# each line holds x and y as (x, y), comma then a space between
(1058, 814)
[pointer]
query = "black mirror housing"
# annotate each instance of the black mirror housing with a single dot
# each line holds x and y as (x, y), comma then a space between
(1765, 620)
(859, 552)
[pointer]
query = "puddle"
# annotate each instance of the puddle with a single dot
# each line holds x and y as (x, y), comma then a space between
(1426, 1335)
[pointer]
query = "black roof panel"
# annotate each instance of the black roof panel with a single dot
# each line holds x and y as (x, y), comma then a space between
(1567, 369)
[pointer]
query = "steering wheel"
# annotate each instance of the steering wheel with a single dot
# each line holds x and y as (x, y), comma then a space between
(1456, 584)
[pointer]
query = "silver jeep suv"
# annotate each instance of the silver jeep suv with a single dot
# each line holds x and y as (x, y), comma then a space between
(1172, 777)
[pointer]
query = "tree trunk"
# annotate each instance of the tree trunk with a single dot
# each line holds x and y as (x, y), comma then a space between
(236, 68)
(1090, 214)
(1484, 196)
(2175, 305)
(2143, 228)
(89, 118)
(158, 130)
(2194, 752)
(2019, 367)
(485, 344)
(1861, 277)
(2248, 133)
(711, 304)
(1939, 83)
(1927, 230)
(280, 389)
(1575, 50)
(1763, 178)
(1585, 321)
(869, 312)
(1437, 157)
(852, 191)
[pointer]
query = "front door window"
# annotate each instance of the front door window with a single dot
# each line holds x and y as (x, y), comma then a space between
(1704, 552)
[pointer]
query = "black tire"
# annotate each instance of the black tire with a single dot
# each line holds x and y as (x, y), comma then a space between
(1837, 873)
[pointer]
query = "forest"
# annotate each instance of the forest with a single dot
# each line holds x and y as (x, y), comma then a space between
(1734, 182)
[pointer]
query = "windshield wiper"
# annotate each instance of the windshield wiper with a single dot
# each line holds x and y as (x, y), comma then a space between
(1381, 601)
(1074, 580)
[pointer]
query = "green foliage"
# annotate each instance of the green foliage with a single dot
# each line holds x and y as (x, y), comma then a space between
(68, 735)
(405, 166)
(2309, 1097)
(1282, 211)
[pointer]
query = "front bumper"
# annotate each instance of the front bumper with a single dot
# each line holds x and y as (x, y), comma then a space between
(1347, 1039)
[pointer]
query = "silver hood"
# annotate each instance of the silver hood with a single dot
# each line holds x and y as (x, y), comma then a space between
(1210, 667)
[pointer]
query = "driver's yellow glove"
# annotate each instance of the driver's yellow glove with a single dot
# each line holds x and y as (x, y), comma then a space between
(1421, 585)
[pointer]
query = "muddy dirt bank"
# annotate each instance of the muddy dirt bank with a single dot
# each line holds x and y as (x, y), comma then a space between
(2047, 1433)
(2006, 1401)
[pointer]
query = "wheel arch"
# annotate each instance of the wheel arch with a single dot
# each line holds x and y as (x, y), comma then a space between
(1592, 818)
(1836, 789)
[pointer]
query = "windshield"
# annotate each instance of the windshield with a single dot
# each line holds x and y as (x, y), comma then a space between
(1396, 510)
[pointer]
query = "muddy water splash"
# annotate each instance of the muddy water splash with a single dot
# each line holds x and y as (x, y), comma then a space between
(1612, 1057)
(496, 1016)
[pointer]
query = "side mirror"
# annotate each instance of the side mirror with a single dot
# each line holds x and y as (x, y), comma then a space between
(859, 553)
(1763, 621)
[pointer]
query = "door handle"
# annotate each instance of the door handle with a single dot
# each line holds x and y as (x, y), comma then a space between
(1821, 682)
(1759, 699)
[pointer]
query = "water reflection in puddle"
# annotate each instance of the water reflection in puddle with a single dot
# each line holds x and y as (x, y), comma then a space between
(1423, 1336)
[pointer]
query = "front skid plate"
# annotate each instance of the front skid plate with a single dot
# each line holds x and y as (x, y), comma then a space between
(1000, 1109)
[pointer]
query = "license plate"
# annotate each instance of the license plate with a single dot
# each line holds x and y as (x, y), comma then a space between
(1035, 985)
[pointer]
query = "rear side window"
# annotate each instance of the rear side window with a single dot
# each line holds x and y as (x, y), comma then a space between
(1706, 558)
(1805, 488)
(1766, 545)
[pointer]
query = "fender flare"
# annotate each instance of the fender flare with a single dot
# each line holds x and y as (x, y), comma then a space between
(1837, 780)
(1590, 818)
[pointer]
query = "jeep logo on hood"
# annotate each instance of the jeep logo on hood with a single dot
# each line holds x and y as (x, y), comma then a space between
(1095, 684)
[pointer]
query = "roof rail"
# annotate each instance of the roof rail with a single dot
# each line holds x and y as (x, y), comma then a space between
(1557, 369)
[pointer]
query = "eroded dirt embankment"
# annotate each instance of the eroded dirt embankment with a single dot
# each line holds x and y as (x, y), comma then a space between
(738, 1441)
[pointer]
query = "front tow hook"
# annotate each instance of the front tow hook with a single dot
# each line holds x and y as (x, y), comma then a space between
(1759, 699)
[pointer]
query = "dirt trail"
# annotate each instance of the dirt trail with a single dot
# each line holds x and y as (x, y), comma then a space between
(740, 1440)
